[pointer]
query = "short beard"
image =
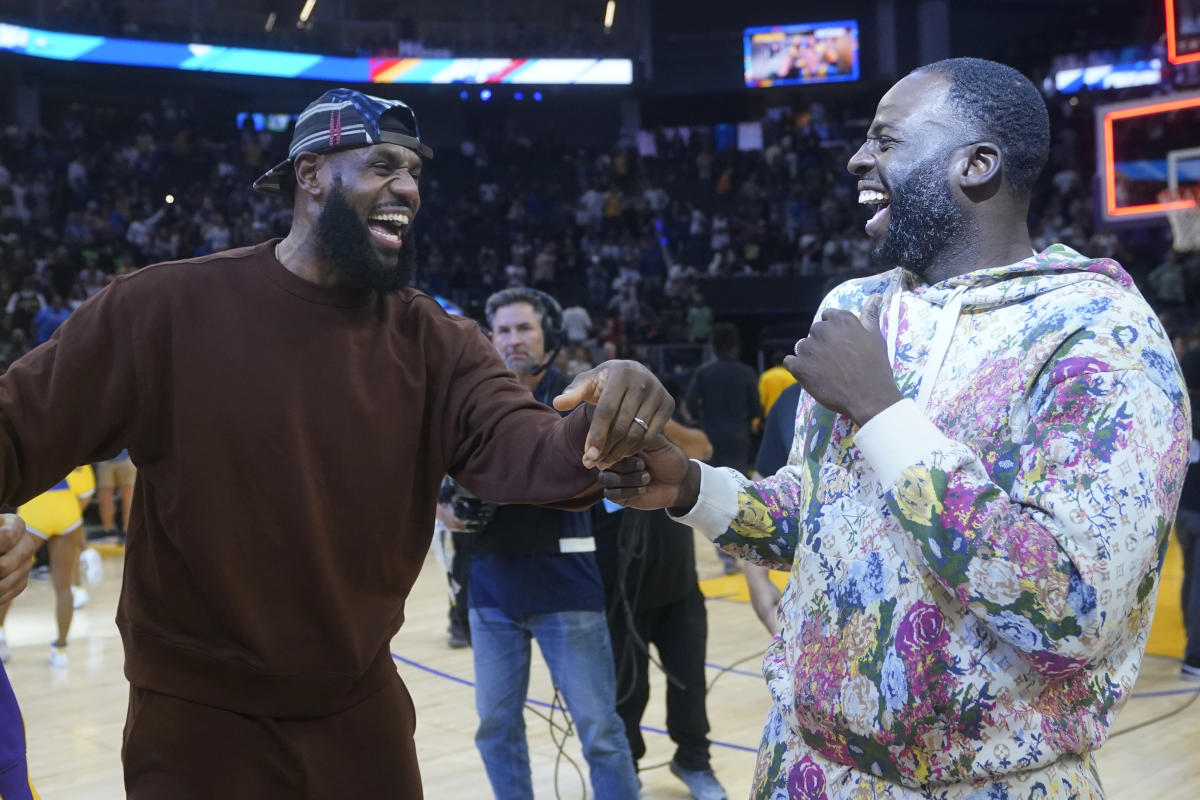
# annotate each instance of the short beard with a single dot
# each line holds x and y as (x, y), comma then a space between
(525, 367)
(344, 244)
(923, 221)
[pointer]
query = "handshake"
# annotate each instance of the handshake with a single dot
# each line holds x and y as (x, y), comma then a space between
(659, 476)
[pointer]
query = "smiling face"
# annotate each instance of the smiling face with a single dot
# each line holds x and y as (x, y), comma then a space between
(904, 171)
(518, 338)
(366, 216)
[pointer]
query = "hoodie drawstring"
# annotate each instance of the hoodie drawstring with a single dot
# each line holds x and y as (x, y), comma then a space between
(892, 304)
(946, 323)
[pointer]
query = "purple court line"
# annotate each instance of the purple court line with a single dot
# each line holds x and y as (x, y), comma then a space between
(747, 673)
(1163, 693)
(544, 704)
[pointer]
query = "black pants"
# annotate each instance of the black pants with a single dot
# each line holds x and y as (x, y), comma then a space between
(678, 632)
(460, 569)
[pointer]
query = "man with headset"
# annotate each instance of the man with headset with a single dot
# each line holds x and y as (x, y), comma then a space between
(533, 575)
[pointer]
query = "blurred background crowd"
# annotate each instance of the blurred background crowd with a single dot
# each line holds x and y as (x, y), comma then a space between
(656, 223)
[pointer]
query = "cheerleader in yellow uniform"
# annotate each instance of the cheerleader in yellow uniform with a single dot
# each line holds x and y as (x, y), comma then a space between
(55, 516)
(82, 481)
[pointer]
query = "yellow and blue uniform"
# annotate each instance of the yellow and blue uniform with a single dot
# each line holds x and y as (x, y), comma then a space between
(82, 481)
(53, 512)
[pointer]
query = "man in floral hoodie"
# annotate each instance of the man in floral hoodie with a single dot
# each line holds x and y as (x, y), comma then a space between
(989, 450)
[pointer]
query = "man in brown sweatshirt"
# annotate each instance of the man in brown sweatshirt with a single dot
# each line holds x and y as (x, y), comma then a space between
(291, 408)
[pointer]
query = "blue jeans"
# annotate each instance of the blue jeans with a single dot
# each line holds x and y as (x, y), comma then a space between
(576, 647)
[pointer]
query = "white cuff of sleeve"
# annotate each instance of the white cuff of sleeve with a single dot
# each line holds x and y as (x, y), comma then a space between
(896, 438)
(717, 504)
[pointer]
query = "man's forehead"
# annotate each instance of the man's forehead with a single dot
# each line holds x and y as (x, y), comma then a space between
(521, 310)
(915, 97)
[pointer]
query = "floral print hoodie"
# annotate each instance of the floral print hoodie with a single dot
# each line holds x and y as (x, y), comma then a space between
(973, 572)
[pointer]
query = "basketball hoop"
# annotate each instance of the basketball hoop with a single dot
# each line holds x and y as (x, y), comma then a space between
(1185, 221)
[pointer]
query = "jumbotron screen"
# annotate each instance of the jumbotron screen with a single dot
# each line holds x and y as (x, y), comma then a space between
(813, 52)
(1183, 31)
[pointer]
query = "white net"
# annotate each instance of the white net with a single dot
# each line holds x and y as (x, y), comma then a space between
(1184, 219)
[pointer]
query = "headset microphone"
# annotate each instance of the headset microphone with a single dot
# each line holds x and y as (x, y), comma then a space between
(546, 365)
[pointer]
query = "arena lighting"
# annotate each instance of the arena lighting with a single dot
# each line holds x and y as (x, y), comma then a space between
(1172, 45)
(1109, 163)
(306, 12)
(169, 199)
(610, 11)
(485, 94)
(81, 48)
(270, 22)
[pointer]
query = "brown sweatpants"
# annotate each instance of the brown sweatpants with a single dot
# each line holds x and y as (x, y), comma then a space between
(178, 750)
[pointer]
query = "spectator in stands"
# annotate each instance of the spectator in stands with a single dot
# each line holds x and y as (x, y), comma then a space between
(24, 305)
(577, 324)
(699, 318)
(46, 321)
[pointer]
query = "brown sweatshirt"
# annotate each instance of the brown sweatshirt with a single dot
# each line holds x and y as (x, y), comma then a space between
(290, 441)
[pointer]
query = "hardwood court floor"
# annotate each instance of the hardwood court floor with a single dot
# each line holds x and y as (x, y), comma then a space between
(74, 716)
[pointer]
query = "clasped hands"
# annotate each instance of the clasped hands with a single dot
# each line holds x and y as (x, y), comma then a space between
(628, 407)
(843, 364)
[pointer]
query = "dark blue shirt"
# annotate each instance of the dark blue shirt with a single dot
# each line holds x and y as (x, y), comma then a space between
(778, 432)
(518, 584)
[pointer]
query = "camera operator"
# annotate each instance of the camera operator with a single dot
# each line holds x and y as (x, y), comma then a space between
(533, 575)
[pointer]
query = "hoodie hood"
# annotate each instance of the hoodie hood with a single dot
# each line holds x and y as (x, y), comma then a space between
(1056, 267)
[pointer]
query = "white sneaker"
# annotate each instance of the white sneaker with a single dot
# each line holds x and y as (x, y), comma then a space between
(91, 567)
(58, 657)
(79, 597)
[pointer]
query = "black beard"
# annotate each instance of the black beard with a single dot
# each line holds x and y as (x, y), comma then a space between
(344, 244)
(923, 220)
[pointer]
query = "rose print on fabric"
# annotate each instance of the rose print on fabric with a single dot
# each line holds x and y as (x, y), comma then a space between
(807, 782)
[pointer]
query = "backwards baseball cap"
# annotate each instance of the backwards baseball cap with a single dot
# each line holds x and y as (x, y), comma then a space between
(341, 119)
